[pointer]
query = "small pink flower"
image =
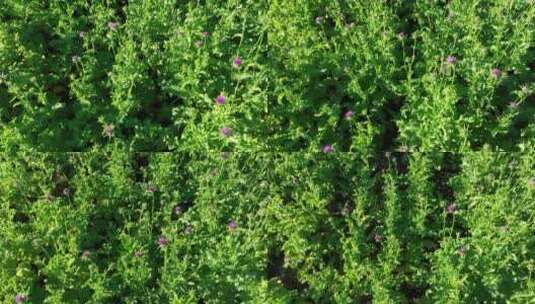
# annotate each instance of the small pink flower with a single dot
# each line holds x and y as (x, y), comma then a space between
(162, 241)
(113, 25)
(401, 35)
(348, 114)
(108, 130)
(220, 99)
(451, 59)
(327, 148)
(188, 230)
(462, 250)
(20, 299)
(237, 62)
(496, 73)
(86, 254)
(225, 131)
(205, 34)
(452, 208)
(151, 188)
(377, 237)
(531, 182)
(232, 225)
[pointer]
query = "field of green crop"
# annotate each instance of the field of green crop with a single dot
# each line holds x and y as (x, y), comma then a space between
(267, 151)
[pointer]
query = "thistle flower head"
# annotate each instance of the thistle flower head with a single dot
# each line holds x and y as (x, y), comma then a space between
(461, 250)
(225, 131)
(531, 182)
(108, 130)
(377, 237)
(162, 241)
(451, 208)
(188, 230)
(237, 62)
(496, 73)
(113, 25)
(348, 114)
(151, 188)
(220, 99)
(20, 298)
(85, 254)
(232, 225)
(327, 148)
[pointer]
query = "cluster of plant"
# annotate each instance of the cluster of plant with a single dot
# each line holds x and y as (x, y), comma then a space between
(267, 75)
(249, 151)
(118, 227)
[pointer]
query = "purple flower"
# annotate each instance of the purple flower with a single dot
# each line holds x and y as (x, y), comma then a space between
(327, 148)
(205, 34)
(85, 254)
(237, 62)
(188, 230)
(75, 59)
(20, 298)
(451, 59)
(401, 35)
(113, 25)
(177, 210)
(81, 34)
(151, 188)
(451, 208)
(232, 225)
(162, 241)
(348, 114)
(225, 131)
(377, 237)
(496, 73)
(108, 130)
(462, 250)
(220, 99)
(531, 182)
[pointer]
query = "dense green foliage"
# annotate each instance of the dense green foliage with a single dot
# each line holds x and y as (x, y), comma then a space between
(268, 228)
(267, 151)
(152, 69)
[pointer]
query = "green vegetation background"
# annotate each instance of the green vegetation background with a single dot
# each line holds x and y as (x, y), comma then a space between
(153, 68)
(427, 197)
